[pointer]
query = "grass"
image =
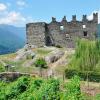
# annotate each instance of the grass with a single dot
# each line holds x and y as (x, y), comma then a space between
(60, 69)
(87, 55)
(23, 69)
(43, 51)
(5, 56)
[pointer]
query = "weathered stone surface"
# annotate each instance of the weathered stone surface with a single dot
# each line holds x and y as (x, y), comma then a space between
(54, 56)
(24, 54)
(62, 33)
(11, 76)
(29, 63)
(36, 31)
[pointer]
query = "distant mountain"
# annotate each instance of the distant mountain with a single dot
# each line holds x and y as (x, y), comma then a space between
(11, 38)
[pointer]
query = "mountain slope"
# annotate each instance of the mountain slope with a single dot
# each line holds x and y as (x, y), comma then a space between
(19, 31)
(11, 38)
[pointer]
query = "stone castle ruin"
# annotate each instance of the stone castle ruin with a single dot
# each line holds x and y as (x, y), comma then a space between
(62, 33)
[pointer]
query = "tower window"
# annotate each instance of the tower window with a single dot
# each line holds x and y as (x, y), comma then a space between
(84, 26)
(85, 33)
(61, 27)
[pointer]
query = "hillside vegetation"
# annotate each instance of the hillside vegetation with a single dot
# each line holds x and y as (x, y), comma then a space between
(87, 55)
(84, 62)
(29, 88)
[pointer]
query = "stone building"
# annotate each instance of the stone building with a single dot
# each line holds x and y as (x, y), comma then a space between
(62, 33)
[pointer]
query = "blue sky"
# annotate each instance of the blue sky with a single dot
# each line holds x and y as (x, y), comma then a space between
(20, 12)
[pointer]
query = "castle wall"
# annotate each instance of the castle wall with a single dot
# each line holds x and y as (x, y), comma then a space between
(62, 33)
(58, 38)
(67, 36)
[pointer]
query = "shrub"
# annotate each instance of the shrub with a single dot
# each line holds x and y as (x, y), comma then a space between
(92, 76)
(16, 88)
(73, 91)
(49, 90)
(28, 88)
(41, 63)
(58, 46)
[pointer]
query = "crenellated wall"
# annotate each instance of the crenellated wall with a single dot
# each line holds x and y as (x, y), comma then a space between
(62, 33)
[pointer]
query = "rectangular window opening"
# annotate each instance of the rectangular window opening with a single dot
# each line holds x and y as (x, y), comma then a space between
(61, 27)
(85, 33)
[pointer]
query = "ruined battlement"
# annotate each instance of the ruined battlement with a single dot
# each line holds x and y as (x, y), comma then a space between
(62, 33)
(84, 18)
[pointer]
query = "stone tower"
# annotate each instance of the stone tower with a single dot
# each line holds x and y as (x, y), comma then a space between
(35, 33)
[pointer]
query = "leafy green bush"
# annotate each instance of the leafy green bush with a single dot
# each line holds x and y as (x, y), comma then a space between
(32, 90)
(58, 46)
(73, 91)
(92, 75)
(29, 88)
(41, 63)
(16, 88)
(49, 90)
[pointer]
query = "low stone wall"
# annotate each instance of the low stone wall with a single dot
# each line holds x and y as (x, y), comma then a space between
(11, 76)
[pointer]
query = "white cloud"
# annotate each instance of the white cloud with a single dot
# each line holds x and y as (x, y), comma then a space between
(21, 3)
(90, 17)
(3, 7)
(13, 18)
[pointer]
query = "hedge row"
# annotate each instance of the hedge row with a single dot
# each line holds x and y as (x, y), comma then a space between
(92, 76)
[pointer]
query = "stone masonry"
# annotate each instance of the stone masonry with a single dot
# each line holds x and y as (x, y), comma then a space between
(62, 33)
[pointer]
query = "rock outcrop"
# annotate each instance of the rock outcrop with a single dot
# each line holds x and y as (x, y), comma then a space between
(11, 76)
(54, 56)
(24, 54)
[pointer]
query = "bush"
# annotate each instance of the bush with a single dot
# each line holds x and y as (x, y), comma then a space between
(28, 88)
(92, 76)
(73, 91)
(49, 90)
(16, 88)
(58, 46)
(41, 63)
